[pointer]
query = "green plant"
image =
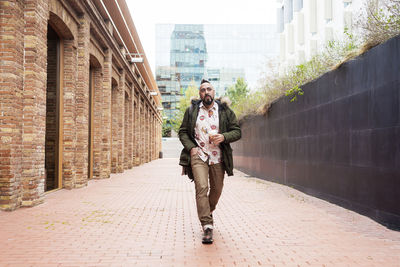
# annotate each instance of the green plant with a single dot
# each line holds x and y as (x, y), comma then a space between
(166, 129)
(382, 21)
(166, 126)
(290, 82)
(238, 91)
(185, 101)
(293, 92)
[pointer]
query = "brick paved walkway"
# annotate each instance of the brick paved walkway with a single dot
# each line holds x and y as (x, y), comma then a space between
(147, 217)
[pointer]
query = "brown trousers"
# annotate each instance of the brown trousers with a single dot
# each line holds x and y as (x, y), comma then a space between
(205, 202)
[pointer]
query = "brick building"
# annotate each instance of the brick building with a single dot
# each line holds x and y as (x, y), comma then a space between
(73, 104)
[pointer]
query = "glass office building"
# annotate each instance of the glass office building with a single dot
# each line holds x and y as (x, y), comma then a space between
(188, 54)
(185, 53)
(186, 50)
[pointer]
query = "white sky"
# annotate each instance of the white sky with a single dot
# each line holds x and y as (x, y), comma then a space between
(147, 13)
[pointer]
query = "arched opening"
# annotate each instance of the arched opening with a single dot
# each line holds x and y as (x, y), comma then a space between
(126, 130)
(94, 115)
(59, 50)
(114, 125)
(90, 135)
(53, 144)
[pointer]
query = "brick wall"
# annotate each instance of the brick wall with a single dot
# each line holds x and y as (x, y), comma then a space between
(120, 114)
(129, 132)
(32, 83)
(126, 129)
(34, 101)
(82, 103)
(106, 116)
(69, 114)
(114, 128)
(97, 122)
(142, 131)
(137, 143)
(11, 90)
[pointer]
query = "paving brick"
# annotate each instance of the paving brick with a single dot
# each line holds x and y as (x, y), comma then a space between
(147, 217)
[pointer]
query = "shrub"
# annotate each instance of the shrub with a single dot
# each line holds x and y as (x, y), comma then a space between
(382, 21)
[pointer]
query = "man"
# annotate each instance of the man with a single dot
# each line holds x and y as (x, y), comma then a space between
(207, 128)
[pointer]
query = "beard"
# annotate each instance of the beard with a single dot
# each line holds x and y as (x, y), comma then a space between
(207, 100)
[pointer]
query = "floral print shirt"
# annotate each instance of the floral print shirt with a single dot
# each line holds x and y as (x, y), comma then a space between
(207, 123)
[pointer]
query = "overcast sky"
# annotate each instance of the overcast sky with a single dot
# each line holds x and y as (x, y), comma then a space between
(147, 13)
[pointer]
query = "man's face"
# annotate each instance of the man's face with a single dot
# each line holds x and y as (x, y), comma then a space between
(207, 93)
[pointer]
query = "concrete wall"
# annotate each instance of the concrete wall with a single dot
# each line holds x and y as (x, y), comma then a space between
(340, 141)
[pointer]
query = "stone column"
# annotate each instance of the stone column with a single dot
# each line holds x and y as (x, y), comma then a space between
(114, 128)
(142, 131)
(126, 131)
(106, 118)
(150, 133)
(11, 101)
(156, 137)
(82, 104)
(137, 130)
(159, 136)
(147, 134)
(34, 101)
(69, 113)
(130, 129)
(121, 124)
(97, 122)
(153, 141)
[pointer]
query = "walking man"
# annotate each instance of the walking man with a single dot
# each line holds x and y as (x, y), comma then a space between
(207, 129)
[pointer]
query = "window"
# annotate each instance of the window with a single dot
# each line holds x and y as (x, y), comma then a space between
(313, 16)
(328, 10)
(288, 11)
(280, 18)
(298, 5)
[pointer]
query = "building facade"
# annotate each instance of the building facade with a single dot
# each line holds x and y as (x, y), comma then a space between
(223, 78)
(185, 53)
(73, 106)
(188, 54)
(306, 26)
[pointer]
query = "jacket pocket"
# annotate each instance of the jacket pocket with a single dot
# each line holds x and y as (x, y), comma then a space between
(184, 159)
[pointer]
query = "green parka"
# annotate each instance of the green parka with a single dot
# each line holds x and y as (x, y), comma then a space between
(228, 127)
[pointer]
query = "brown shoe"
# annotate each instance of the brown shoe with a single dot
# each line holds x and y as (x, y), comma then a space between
(207, 236)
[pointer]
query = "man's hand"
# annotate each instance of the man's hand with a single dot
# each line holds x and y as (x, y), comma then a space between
(217, 139)
(194, 151)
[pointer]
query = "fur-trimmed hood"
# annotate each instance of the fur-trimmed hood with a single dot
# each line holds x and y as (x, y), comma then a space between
(223, 100)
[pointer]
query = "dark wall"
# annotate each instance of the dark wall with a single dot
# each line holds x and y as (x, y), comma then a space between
(339, 141)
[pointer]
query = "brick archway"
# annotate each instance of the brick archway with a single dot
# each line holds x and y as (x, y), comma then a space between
(53, 146)
(95, 117)
(114, 124)
(60, 27)
(61, 59)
